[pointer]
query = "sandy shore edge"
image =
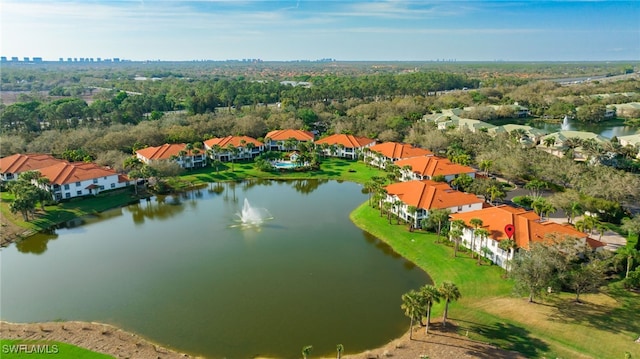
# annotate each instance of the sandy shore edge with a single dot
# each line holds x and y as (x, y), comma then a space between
(104, 338)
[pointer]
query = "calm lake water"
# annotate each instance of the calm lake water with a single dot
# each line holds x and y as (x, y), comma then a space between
(606, 129)
(179, 271)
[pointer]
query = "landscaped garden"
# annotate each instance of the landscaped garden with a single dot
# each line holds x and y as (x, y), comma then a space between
(489, 311)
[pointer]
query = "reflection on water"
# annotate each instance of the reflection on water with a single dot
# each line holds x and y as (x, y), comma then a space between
(607, 129)
(36, 244)
(171, 269)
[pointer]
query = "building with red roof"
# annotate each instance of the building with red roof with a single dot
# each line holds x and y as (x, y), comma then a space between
(342, 145)
(428, 167)
(390, 152)
(12, 166)
(69, 180)
(529, 228)
(245, 146)
(426, 196)
(179, 152)
(278, 139)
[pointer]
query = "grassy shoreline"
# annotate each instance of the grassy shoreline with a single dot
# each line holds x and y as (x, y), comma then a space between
(489, 313)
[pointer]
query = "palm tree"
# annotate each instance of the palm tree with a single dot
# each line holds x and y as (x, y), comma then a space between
(475, 223)
(455, 233)
(397, 204)
(509, 246)
(339, 349)
(439, 216)
(306, 350)
(483, 234)
(549, 141)
(430, 295)
(382, 193)
(233, 151)
(485, 165)
(630, 253)
(542, 206)
(387, 207)
(250, 146)
(412, 307)
(450, 293)
(413, 210)
(370, 187)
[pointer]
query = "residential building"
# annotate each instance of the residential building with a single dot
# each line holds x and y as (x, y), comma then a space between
(69, 180)
(246, 147)
(389, 152)
(279, 139)
(558, 143)
(346, 146)
(426, 196)
(631, 140)
(428, 167)
(628, 110)
(456, 118)
(177, 152)
(529, 228)
(528, 135)
(12, 166)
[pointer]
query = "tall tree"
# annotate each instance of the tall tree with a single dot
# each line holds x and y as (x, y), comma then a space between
(439, 216)
(535, 270)
(475, 223)
(482, 234)
(430, 295)
(412, 307)
(450, 293)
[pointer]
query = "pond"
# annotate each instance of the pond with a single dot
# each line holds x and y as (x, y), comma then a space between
(184, 272)
(606, 129)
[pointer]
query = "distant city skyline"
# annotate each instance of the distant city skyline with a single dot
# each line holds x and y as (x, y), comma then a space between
(270, 30)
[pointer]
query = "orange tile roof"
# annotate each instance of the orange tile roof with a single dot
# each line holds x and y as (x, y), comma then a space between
(528, 227)
(399, 150)
(433, 166)
(163, 152)
(235, 141)
(430, 195)
(19, 163)
(64, 172)
(348, 141)
(283, 135)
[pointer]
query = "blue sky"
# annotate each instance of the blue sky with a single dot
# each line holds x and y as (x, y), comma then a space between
(313, 29)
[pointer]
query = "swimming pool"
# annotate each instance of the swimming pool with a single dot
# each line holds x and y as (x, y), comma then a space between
(285, 164)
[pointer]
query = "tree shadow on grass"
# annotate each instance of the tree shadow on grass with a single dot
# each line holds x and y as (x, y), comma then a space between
(507, 336)
(604, 317)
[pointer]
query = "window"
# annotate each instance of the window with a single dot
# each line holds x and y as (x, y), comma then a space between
(113, 185)
(101, 188)
(95, 180)
(77, 184)
(79, 193)
(67, 195)
(66, 186)
(105, 177)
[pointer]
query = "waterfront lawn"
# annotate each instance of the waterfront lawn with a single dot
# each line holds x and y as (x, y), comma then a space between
(330, 168)
(56, 349)
(488, 312)
(66, 211)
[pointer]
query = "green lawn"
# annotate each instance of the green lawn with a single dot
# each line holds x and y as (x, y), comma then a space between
(602, 327)
(66, 211)
(30, 349)
(330, 168)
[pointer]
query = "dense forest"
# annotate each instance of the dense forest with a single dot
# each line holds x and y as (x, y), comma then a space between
(105, 112)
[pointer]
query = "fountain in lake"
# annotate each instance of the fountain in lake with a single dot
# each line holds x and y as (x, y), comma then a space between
(253, 216)
(565, 123)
